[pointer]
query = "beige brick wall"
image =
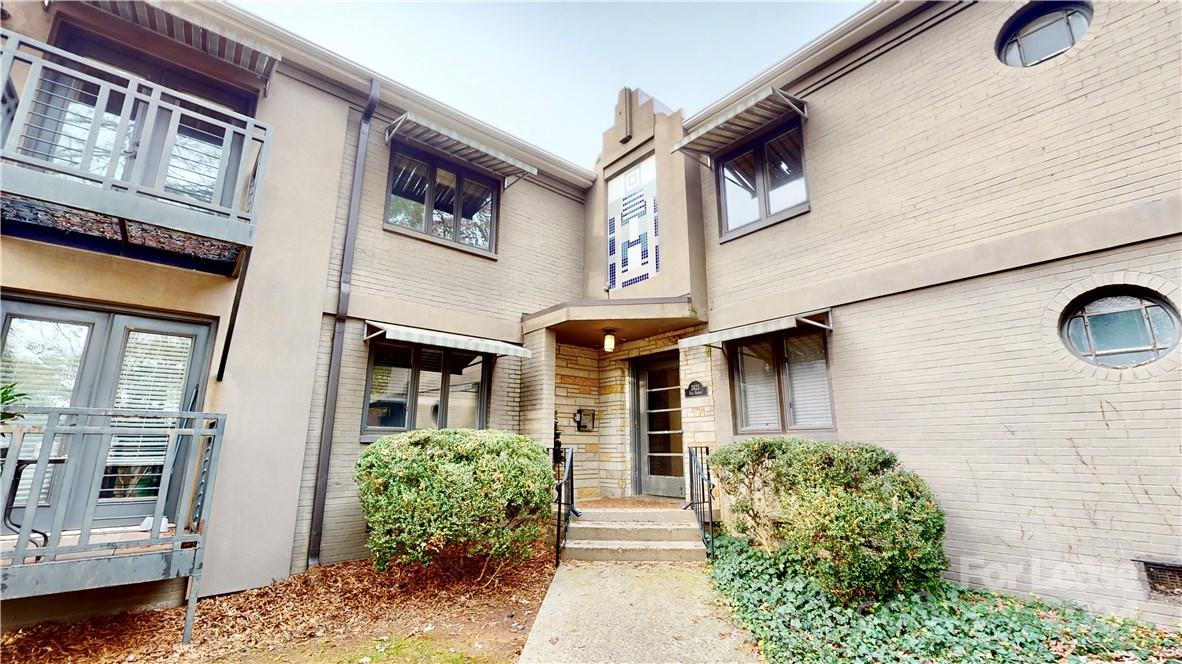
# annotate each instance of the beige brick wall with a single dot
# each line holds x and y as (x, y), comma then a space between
(1052, 479)
(539, 250)
(539, 263)
(934, 144)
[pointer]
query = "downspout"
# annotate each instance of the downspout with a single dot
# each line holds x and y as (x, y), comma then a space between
(338, 331)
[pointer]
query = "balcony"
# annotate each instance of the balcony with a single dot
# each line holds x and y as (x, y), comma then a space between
(100, 497)
(98, 158)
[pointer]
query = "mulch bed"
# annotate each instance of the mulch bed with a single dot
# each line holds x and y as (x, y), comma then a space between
(340, 600)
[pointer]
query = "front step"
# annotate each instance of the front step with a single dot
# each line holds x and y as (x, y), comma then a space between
(634, 531)
(633, 514)
(630, 550)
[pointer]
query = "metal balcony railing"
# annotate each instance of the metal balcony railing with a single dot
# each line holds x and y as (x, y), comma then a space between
(101, 131)
(103, 497)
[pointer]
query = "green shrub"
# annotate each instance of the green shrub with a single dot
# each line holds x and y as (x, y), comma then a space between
(841, 513)
(745, 471)
(878, 538)
(428, 495)
(796, 621)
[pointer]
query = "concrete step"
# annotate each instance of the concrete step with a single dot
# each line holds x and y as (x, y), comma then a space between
(633, 551)
(633, 515)
(635, 531)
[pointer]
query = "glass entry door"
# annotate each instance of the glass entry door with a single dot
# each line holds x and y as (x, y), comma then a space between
(658, 427)
(62, 356)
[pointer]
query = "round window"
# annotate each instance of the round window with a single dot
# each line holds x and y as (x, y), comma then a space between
(1041, 31)
(1121, 328)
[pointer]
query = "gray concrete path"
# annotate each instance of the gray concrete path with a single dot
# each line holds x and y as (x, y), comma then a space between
(636, 612)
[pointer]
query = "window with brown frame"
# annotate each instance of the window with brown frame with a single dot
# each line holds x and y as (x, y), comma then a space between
(762, 182)
(424, 387)
(441, 200)
(780, 383)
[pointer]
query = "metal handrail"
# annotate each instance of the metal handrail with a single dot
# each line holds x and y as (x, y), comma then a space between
(83, 120)
(564, 497)
(701, 499)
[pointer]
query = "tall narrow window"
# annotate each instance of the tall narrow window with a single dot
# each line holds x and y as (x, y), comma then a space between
(808, 382)
(739, 191)
(389, 387)
(408, 193)
(759, 398)
(440, 200)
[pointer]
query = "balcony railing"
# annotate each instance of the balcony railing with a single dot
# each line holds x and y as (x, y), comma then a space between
(104, 497)
(111, 141)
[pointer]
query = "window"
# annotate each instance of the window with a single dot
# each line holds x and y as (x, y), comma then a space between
(1120, 328)
(1042, 31)
(441, 201)
(781, 380)
(762, 182)
(422, 387)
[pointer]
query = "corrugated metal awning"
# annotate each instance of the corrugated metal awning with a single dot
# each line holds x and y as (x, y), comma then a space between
(219, 43)
(426, 132)
(756, 329)
(418, 335)
(741, 120)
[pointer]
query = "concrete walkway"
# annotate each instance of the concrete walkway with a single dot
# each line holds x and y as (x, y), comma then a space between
(637, 612)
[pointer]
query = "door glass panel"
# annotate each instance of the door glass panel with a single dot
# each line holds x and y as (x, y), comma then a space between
(659, 378)
(43, 358)
(463, 390)
(388, 387)
(663, 398)
(196, 159)
(664, 443)
(668, 466)
(153, 373)
(430, 381)
(666, 421)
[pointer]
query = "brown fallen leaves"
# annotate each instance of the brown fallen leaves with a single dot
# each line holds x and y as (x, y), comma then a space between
(341, 600)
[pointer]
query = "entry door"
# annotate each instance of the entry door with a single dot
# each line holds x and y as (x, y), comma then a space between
(658, 428)
(62, 356)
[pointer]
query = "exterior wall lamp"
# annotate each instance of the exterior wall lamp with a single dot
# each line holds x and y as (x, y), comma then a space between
(609, 341)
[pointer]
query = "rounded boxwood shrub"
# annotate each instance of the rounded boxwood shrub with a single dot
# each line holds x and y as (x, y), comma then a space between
(453, 493)
(841, 513)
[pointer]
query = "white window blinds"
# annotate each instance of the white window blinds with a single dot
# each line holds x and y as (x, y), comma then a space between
(809, 404)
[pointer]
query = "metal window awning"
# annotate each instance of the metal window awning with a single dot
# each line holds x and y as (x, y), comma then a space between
(418, 335)
(741, 120)
(179, 26)
(819, 319)
(426, 132)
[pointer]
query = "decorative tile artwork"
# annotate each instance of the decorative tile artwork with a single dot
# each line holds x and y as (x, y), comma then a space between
(633, 249)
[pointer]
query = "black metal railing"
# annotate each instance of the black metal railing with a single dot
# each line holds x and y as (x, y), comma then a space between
(564, 498)
(701, 498)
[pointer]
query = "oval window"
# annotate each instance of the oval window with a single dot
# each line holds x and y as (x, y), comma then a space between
(1043, 30)
(1121, 328)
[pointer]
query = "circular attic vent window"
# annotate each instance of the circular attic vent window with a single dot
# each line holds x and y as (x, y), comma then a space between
(1120, 328)
(1041, 31)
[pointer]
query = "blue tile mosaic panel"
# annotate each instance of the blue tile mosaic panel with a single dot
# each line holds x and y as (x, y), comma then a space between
(633, 252)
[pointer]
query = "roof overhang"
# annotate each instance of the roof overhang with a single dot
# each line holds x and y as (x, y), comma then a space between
(418, 335)
(818, 319)
(425, 132)
(756, 111)
(172, 20)
(583, 322)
